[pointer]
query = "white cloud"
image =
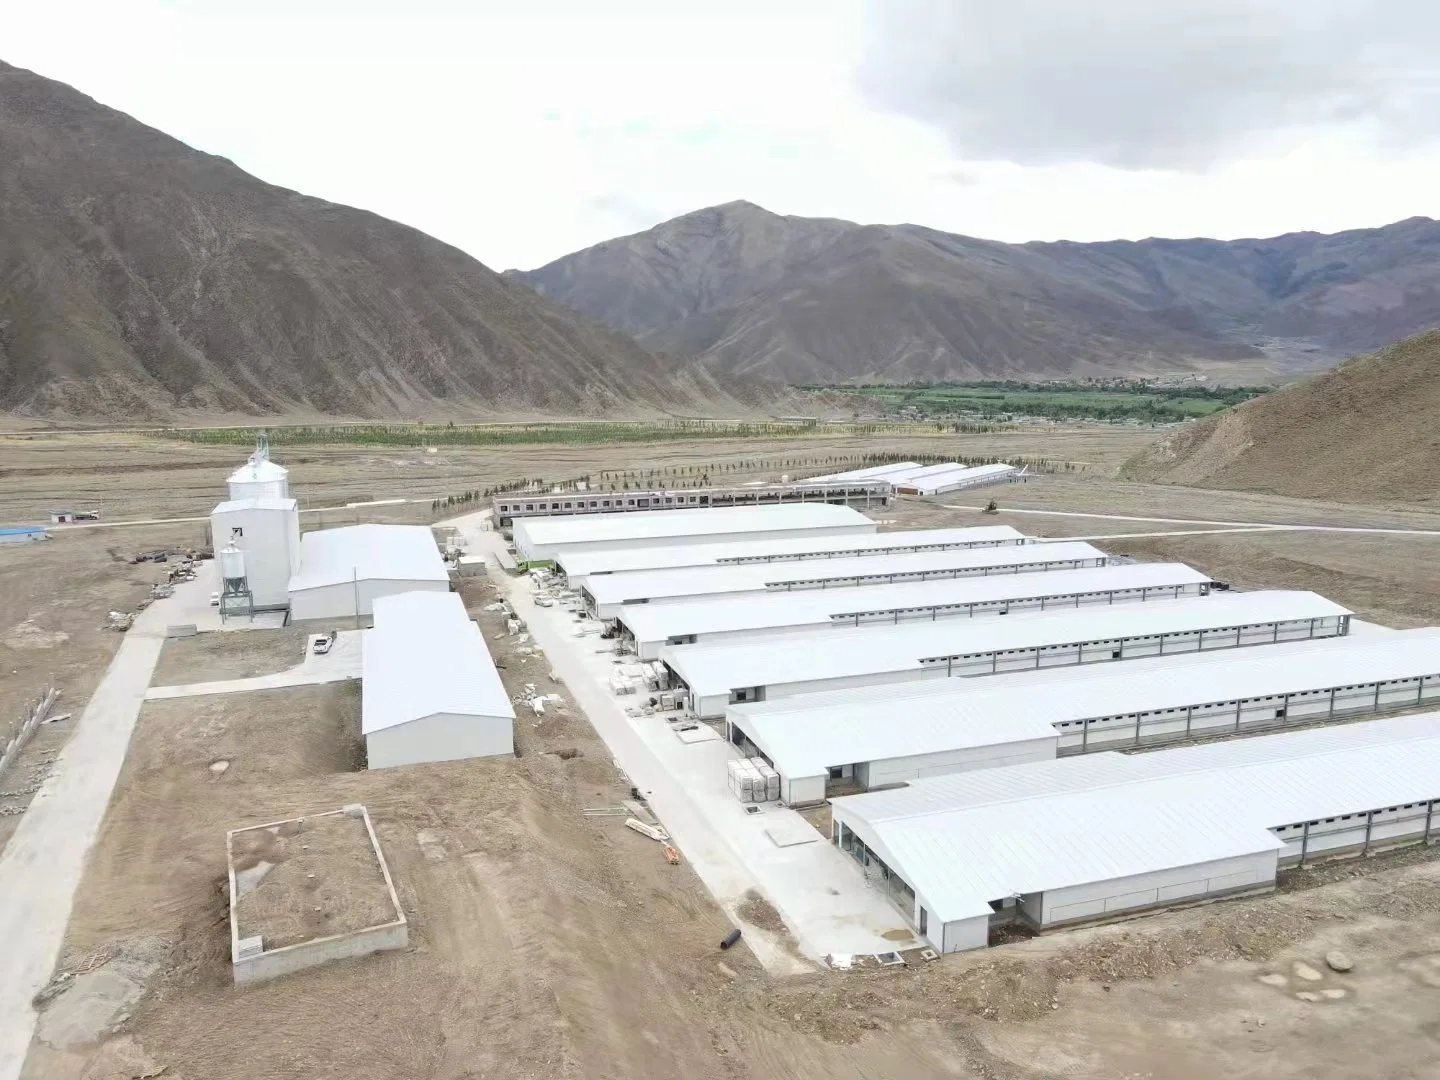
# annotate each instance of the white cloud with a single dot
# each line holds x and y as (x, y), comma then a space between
(520, 130)
(1155, 83)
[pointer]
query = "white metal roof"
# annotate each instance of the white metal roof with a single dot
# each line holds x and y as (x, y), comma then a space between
(658, 524)
(718, 668)
(426, 656)
(874, 472)
(751, 577)
(938, 482)
(822, 607)
(230, 506)
(965, 839)
(807, 734)
(368, 552)
(258, 471)
(618, 559)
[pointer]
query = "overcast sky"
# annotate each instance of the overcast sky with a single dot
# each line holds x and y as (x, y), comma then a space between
(521, 130)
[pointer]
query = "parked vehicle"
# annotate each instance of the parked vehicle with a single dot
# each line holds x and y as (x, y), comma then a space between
(323, 643)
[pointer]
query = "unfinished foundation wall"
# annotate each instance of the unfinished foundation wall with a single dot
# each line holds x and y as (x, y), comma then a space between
(18, 733)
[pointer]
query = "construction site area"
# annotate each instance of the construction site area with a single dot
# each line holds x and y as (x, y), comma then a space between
(889, 768)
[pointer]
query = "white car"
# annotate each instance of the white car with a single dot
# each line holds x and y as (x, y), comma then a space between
(214, 599)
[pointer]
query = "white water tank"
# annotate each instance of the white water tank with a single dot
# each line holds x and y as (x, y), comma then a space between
(259, 477)
(232, 564)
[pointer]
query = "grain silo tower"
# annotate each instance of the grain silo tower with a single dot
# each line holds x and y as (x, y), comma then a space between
(259, 477)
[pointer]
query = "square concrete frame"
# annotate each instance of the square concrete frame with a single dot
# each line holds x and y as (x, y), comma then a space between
(250, 961)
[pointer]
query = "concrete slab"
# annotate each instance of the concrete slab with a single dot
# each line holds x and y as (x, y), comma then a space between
(342, 662)
(825, 902)
(42, 863)
(192, 605)
(788, 832)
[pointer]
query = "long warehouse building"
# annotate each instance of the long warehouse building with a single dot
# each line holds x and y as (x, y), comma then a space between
(881, 736)
(543, 539)
(716, 676)
(649, 627)
(577, 566)
(1057, 843)
(605, 595)
(955, 478)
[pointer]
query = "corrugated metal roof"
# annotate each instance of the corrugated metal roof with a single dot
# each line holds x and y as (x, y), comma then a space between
(932, 482)
(874, 472)
(233, 505)
(820, 607)
(381, 552)
(965, 839)
(805, 735)
(751, 577)
(426, 656)
(657, 524)
(258, 471)
(611, 560)
(715, 669)
(21, 530)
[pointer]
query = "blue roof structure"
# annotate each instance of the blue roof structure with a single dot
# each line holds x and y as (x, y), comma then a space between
(20, 530)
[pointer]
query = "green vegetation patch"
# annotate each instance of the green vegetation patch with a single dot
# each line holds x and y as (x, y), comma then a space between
(1113, 401)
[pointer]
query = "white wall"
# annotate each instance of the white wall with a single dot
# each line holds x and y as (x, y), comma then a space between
(876, 774)
(1181, 883)
(338, 601)
(960, 935)
(440, 737)
(271, 543)
(802, 790)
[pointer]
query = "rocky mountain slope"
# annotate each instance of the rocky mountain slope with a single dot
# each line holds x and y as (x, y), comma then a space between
(745, 290)
(141, 278)
(1366, 432)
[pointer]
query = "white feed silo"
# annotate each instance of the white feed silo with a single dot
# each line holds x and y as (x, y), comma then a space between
(235, 595)
(259, 477)
(266, 534)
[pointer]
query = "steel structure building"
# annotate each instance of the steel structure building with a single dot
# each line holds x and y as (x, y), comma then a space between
(955, 478)
(22, 534)
(606, 595)
(737, 618)
(868, 494)
(542, 539)
(430, 691)
(716, 676)
(577, 566)
(873, 472)
(343, 571)
(267, 531)
(1054, 843)
(887, 735)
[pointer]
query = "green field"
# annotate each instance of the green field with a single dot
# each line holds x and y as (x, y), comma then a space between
(1000, 401)
(575, 433)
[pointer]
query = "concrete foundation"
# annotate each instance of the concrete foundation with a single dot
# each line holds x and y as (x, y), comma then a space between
(252, 962)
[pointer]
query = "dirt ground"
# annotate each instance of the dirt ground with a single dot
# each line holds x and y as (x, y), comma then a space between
(545, 944)
(320, 877)
(241, 655)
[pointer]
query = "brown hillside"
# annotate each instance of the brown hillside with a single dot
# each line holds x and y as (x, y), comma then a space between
(1366, 432)
(141, 278)
(802, 299)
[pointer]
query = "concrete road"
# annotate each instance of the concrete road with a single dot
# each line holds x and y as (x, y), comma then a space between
(342, 662)
(40, 867)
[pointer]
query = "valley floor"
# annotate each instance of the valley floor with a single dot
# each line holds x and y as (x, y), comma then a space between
(548, 944)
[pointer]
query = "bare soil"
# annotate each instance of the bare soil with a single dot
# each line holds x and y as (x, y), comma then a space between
(550, 945)
(323, 879)
(239, 655)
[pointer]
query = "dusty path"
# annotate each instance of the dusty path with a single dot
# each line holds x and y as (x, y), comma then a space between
(40, 867)
(342, 662)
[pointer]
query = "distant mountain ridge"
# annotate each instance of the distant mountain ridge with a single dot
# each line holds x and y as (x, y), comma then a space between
(745, 291)
(141, 278)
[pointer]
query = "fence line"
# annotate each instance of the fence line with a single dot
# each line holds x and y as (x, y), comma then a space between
(17, 733)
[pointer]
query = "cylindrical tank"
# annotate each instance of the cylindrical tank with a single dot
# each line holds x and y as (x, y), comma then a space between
(232, 565)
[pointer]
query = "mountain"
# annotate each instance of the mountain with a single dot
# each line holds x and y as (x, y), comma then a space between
(141, 278)
(1366, 432)
(747, 291)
